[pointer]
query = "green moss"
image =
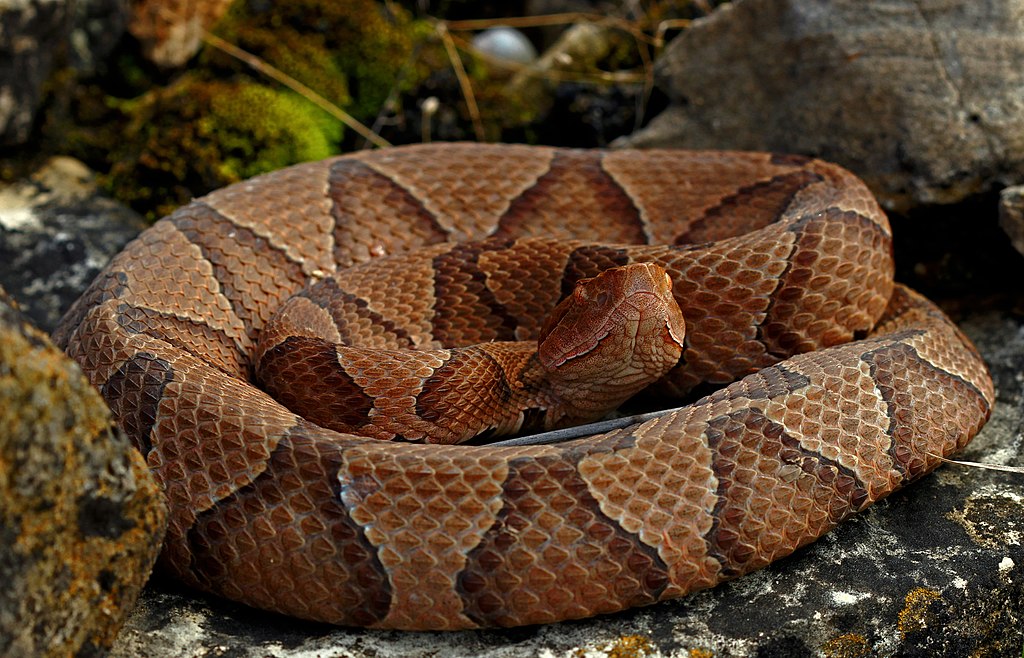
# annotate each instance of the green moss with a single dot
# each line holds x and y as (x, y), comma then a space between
(259, 129)
(159, 139)
(353, 53)
(197, 135)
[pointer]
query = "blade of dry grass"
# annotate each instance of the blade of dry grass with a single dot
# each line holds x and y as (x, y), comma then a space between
(988, 467)
(464, 84)
(296, 86)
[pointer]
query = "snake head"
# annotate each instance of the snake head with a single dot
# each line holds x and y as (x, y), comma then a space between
(616, 333)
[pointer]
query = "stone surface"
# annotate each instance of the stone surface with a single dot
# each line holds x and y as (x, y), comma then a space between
(1011, 215)
(935, 570)
(171, 31)
(37, 37)
(30, 31)
(81, 519)
(922, 98)
(96, 27)
(56, 232)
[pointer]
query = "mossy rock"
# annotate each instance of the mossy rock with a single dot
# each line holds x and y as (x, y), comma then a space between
(81, 518)
(355, 53)
(198, 135)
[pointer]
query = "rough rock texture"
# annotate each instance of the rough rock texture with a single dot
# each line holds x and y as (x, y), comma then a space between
(56, 232)
(935, 570)
(171, 31)
(1011, 215)
(922, 98)
(38, 36)
(96, 26)
(81, 519)
(29, 33)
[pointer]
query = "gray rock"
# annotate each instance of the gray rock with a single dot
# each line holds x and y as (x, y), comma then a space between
(935, 570)
(30, 34)
(170, 32)
(81, 518)
(924, 100)
(1011, 215)
(38, 36)
(56, 232)
(96, 27)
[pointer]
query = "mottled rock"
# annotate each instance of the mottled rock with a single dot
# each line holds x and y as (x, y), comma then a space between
(96, 27)
(81, 519)
(924, 100)
(38, 37)
(30, 32)
(171, 31)
(56, 232)
(1011, 215)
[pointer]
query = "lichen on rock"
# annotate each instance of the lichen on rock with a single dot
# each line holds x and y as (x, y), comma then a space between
(81, 519)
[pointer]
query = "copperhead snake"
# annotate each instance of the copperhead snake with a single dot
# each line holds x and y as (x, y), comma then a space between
(770, 256)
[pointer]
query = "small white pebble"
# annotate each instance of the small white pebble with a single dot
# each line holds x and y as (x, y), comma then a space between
(506, 44)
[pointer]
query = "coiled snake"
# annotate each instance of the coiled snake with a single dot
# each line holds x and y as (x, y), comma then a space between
(769, 256)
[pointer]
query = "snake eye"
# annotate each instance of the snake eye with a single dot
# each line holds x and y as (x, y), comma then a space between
(602, 298)
(580, 291)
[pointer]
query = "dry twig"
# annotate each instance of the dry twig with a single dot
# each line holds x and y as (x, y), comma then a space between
(296, 86)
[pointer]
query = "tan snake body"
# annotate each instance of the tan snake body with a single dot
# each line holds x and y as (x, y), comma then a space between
(789, 255)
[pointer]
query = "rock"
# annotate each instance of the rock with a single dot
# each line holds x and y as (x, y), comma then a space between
(36, 38)
(171, 31)
(925, 101)
(505, 44)
(97, 25)
(56, 232)
(1011, 215)
(30, 32)
(935, 570)
(81, 519)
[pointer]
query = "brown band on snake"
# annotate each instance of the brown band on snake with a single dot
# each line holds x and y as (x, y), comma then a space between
(133, 393)
(371, 210)
(749, 208)
(315, 366)
(242, 261)
(826, 246)
(437, 400)
(343, 582)
(912, 415)
(542, 494)
(462, 292)
(574, 170)
(747, 533)
(273, 511)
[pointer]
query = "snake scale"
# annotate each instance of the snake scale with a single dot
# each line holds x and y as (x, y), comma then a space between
(777, 262)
